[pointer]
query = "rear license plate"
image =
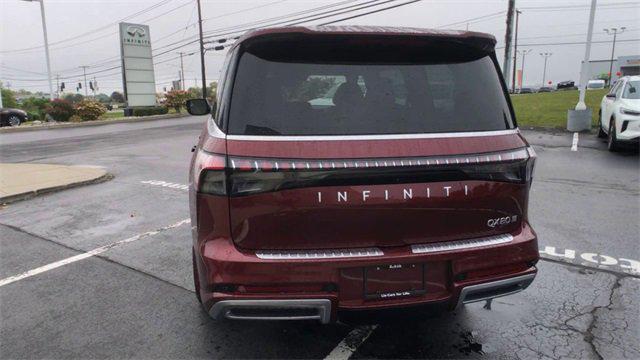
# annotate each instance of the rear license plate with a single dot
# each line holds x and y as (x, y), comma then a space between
(393, 281)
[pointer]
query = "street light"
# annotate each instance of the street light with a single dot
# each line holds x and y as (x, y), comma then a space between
(545, 55)
(46, 46)
(614, 32)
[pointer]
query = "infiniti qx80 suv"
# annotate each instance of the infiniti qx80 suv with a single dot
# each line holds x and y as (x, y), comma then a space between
(351, 168)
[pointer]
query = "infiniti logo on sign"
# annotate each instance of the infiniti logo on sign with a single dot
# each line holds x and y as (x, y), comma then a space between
(136, 30)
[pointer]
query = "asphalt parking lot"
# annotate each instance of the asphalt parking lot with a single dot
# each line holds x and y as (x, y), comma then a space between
(134, 297)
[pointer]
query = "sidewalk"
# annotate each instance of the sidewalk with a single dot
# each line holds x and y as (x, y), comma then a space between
(23, 181)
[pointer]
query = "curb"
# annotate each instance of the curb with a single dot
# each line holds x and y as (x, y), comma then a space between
(131, 119)
(30, 194)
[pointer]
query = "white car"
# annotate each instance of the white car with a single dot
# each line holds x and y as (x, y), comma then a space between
(620, 113)
(595, 84)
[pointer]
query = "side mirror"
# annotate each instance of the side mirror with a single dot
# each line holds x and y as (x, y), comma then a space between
(611, 96)
(198, 107)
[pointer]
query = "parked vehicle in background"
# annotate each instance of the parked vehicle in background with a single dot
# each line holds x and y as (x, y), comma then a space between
(526, 90)
(619, 119)
(12, 117)
(415, 192)
(565, 85)
(545, 89)
(595, 84)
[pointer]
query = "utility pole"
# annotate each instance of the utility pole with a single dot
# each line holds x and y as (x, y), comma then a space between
(615, 32)
(524, 54)
(506, 67)
(204, 80)
(515, 54)
(46, 46)
(585, 62)
(84, 70)
(182, 85)
(57, 86)
(544, 71)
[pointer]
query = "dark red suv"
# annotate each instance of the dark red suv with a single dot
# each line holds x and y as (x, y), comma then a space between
(349, 168)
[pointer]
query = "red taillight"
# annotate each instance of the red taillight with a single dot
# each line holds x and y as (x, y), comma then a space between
(210, 170)
(241, 176)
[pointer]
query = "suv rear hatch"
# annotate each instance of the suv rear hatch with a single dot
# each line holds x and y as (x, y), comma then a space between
(341, 139)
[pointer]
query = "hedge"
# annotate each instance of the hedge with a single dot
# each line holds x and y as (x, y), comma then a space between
(153, 110)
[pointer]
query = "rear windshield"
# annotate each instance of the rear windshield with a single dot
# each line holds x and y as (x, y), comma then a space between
(284, 98)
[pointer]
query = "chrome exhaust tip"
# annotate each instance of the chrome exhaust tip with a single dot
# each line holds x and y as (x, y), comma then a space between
(294, 309)
(494, 289)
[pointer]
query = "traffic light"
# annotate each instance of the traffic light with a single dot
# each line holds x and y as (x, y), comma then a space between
(91, 86)
(79, 85)
(62, 86)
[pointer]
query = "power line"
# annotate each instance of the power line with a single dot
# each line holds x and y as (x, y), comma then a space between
(579, 7)
(93, 31)
(472, 20)
(574, 43)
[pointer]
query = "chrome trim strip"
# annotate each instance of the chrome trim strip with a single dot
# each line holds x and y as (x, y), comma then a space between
(225, 308)
(318, 254)
(372, 137)
(461, 244)
(500, 287)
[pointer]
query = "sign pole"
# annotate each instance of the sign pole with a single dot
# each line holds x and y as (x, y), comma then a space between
(584, 73)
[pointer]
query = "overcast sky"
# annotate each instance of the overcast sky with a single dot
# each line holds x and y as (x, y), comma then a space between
(84, 32)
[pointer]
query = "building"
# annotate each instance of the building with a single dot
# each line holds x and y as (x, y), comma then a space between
(624, 65)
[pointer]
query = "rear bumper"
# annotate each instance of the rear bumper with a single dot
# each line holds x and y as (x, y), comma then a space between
(241, 285)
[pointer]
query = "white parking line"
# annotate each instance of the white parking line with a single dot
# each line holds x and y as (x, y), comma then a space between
(574, 144)
(166, 184)
(351, 342)
(88, 254)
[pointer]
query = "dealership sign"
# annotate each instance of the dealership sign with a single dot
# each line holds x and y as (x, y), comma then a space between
(138, 79)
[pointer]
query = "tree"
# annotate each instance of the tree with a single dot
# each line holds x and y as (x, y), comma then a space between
(176, 99)
(73, 98)
(8, 99)
(117, 97)
(103, 98)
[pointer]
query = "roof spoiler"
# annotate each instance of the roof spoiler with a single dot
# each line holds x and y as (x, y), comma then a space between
(363, 43)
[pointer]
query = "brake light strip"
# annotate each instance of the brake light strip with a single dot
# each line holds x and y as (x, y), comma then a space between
(272, 164)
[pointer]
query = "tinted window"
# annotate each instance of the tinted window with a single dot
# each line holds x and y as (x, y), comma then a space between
(631, 90)
(283, 98)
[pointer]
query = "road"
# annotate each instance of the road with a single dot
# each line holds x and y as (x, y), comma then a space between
(135, 298)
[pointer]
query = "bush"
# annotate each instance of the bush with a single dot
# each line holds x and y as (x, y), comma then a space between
(176, 99)
(33, 115)
(75, 119)
(89, 109)
(60, 110)
(35, 107)
(152, 110)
